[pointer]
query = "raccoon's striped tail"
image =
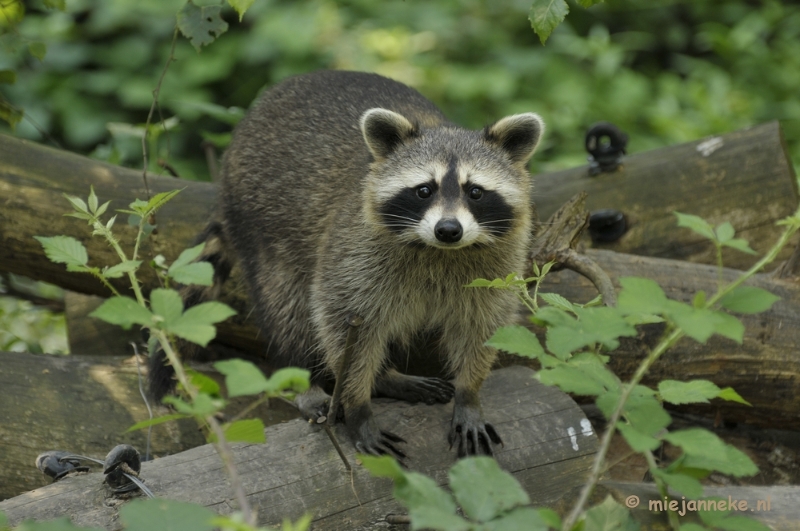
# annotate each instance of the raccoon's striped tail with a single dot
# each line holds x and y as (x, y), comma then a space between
(161, 375)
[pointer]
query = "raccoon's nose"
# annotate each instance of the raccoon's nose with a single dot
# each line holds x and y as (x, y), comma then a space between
(448, 230)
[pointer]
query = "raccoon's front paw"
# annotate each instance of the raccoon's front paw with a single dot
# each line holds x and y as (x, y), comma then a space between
(368, 438)
(470, 434)
(414, 389)
(313, 404)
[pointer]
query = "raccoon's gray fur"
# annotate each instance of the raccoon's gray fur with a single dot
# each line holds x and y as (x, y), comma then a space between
(348, 193)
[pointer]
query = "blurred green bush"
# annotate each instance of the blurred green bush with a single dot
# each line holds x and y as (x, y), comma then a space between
(664, 71)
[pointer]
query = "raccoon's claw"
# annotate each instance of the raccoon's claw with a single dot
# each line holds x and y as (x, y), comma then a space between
(475, 440)
(368, 438)
(470, 434)
(385, 446)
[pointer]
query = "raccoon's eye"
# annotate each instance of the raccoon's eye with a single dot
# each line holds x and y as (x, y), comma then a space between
(475, 193)
(424, 192)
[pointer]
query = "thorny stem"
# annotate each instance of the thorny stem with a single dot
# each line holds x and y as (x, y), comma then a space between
(669, 340)
(222, 446)
(605, 442)
(674, 523)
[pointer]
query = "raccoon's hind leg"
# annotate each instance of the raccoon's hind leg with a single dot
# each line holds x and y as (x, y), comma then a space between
(413, 389)
(313, 404)
(216, 252)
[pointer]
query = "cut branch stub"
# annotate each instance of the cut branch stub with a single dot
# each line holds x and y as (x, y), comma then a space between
(558, 238)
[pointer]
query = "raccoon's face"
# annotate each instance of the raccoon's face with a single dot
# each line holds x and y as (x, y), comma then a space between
(449, 188)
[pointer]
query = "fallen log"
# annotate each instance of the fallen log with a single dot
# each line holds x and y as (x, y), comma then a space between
(744, 177)
(549, 446)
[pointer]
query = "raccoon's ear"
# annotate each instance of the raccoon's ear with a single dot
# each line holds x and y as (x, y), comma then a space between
(384, 131)
(518, 135)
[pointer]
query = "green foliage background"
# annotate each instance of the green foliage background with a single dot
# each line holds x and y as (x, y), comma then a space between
(665, 71)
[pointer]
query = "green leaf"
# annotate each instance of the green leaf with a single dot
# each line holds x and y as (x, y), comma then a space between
(638, 441)
(571, 380)
(609, 515)
(203, 405)
(200, 273)
(748, 299)
(724, 232)
(594, 325)
(10, 114)
(483, 490)
(188, 256)
(77, 203)
(123, 311)
(554, 299)
(641, 296)
(249, 431)
(92, 200)
(589, 3)
(289, 379)
(426, 501)
(686, 485)
(741, 523)
(646, 414)
(546, 15)
(383, 467)
(695, 391)
(163, 514)
(705, 450)
(242, 377)
(696, 224)
(159, 200)
(38, 49)
(61, 5)
(8, 77)
(740, 245)
(516, 340)
(203, 383)
(158, 420)
(550, 518)
(241, 6)
(64, 250)
(201, 25)
(117, 271)
(729, 326)
(483, 283)
(729, 394)
(168, 304)
(434, 517)
(195, 324)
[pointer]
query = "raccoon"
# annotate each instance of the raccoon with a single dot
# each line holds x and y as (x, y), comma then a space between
(347, 193)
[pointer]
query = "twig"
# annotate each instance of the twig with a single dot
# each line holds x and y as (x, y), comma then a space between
(559, 239)
(144, 398)
(156, 92)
